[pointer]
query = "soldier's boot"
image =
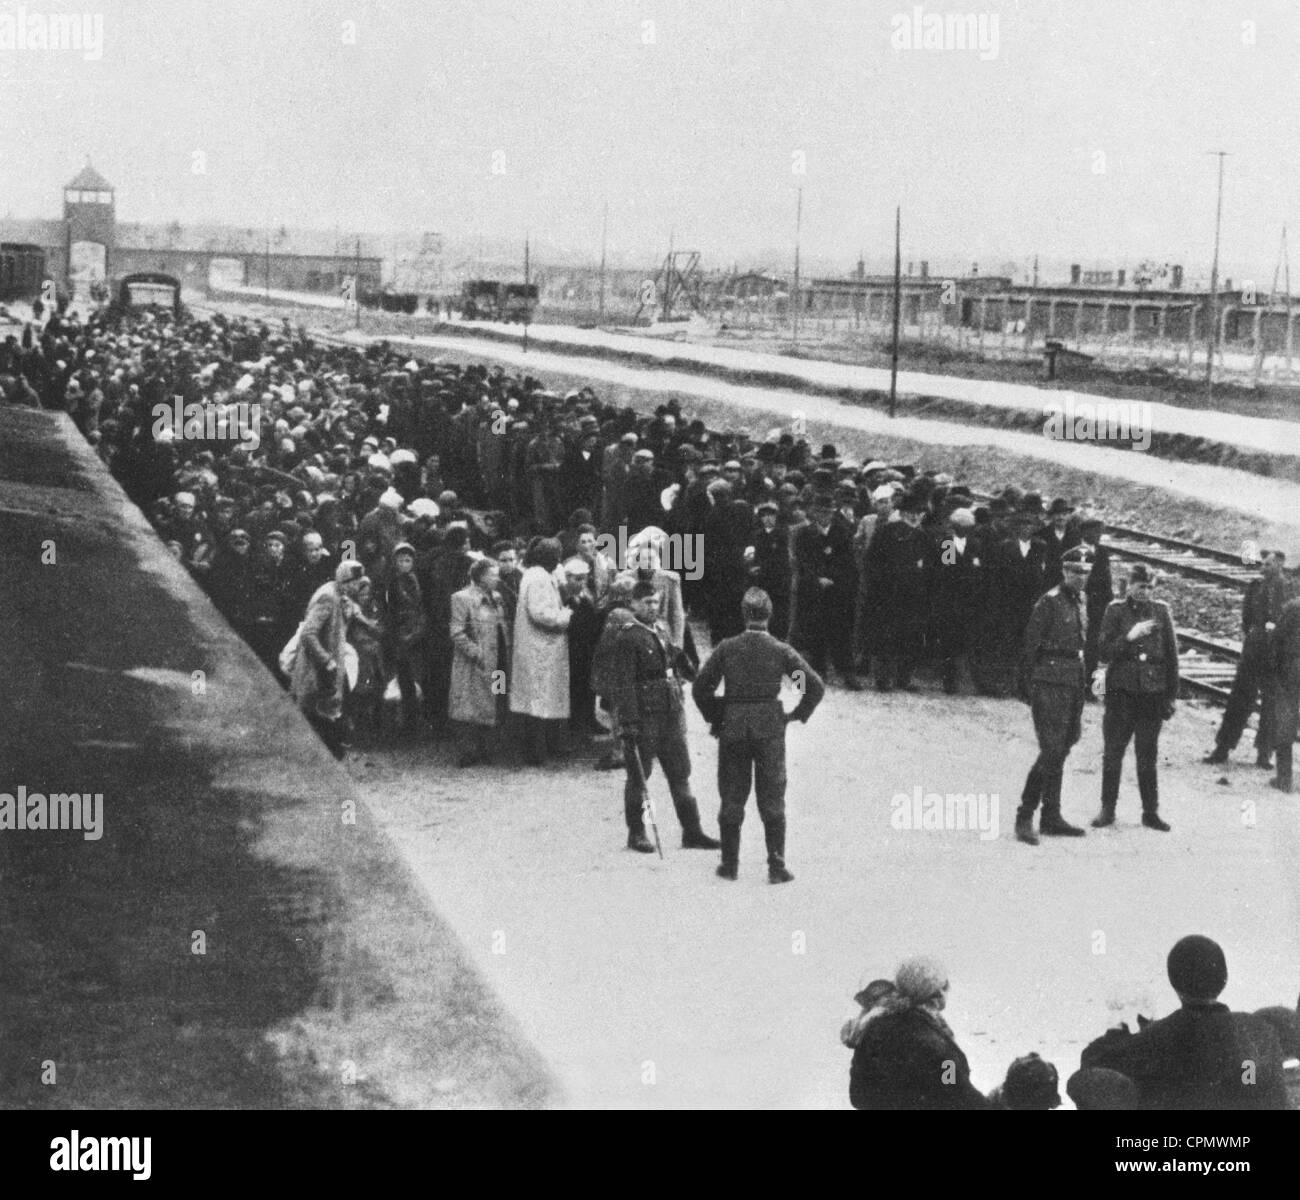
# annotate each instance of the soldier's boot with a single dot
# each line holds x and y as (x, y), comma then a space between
(774, 835)
(1216, 757)
(1110, 777)
(730, 865)
(1282, 781)
(1055, 825)
(637, 840)
(693, 837)
(1264, 759)
(1025, 826)
(1148, 790)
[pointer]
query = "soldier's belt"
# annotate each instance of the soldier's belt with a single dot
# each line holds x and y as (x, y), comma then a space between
(1061, 655)
(750, 699)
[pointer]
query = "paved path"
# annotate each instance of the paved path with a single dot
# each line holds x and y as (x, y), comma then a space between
(657, 985)
(1278, 437)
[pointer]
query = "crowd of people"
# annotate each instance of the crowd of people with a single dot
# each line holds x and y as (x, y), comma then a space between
(1203, 1056)
(520, 563)
(296, 457)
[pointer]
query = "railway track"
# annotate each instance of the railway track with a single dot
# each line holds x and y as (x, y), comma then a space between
(1207, 665)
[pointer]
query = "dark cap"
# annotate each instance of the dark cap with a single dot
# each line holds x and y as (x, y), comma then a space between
(1031, 1083)
(1197, 968)
(1078, 557)
(1141, 573)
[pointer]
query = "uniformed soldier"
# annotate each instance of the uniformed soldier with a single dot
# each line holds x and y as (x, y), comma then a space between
(1138, 650)
(1286, 690)
(1052, 680)
(1261, 611)
(646, 696)
(750, 722)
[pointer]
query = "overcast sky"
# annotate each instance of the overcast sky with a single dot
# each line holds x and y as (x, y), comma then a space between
(689, 125)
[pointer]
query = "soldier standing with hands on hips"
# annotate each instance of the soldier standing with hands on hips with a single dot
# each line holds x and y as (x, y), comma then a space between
(1138, 676)
(749, 722)
(1052, 682)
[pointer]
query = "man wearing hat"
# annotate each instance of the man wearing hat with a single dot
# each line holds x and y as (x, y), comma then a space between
(882, 512)
(896, 562)
(1018, 578)
(768, 560)
(1139, 653)
(615, 468)
(1052, 681)
(641, 504)
(750, 724)
(1057, 537)
(645, 693)
(825, 586)
(955, 584)
(1100, 592)
(1203, 1056)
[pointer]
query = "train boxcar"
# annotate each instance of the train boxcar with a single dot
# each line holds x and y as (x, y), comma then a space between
(22, 270)
(149, 290)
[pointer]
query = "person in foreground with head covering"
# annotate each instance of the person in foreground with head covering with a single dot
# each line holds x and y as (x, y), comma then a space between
(907, 1057)
(1203, 1056)
(1031, 1083)
(316, 676)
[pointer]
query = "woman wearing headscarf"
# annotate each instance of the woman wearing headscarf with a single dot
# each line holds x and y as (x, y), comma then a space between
(480, 641)
(906, 1057)
(539, 689)
(316, 677)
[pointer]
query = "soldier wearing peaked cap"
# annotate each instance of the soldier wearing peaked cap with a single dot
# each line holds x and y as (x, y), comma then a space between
(644, 689)
(1052, 681)
(750, 725)
(1139, 651)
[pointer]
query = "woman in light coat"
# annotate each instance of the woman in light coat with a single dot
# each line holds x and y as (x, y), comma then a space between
(539, 687)
(480, 640)
(317, 680)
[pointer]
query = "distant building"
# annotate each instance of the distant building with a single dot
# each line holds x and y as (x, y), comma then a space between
(1147, 304)
(90, 245)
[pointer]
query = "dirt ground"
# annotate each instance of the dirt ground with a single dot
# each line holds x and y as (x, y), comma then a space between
(651, 984)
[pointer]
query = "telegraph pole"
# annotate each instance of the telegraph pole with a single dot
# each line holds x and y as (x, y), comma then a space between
(898, 308)
(798, 228)
(356, 282)
(526, 282)
(604, 235)
(1213, 335)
